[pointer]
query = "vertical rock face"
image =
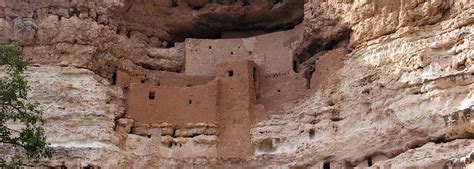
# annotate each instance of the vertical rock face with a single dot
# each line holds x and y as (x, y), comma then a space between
(71, 95)
(80, 110)
(393, 80)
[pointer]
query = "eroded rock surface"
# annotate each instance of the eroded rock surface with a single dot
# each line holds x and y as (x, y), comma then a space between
(400, 95)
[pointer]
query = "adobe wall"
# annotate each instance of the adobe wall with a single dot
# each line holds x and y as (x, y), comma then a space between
(239, 96)
(280, 89)
(182, 80)
(326, 68)
(175, 105)
(236, 84)
(123, 79)
(270, 52)
(236, 107)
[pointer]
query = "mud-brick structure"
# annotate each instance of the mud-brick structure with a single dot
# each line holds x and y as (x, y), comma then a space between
(230, 83)
(271, 52)
(278, 83)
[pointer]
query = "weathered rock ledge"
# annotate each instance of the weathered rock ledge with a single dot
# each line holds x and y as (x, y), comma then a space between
(402, 97)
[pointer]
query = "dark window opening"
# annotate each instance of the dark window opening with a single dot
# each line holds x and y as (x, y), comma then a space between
(210, 47)
(311, 133)
(369, 161)
(88, 167)
(255, 77)
(151, 95)
(295, 65)
(250, 52)
(326, 165)
(174, 3)
(149, 136)
(196, 8)
(231, 53)
(230, 73)
(245, 2)
(142, 81)
(308, 84)
(278, 90)
(190, 102)
(276, 1)
(114, 79)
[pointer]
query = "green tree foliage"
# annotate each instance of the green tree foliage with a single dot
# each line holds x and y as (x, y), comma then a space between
(15, 107)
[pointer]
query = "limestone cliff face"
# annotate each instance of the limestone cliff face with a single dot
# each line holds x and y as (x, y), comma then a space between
(402, 96)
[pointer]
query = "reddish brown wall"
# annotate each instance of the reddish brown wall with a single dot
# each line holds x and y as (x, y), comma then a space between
(123, 79)
(174, 105)
(180, 79)
(238, 91)
(280, 89)
(230, 101)
(327, 67)
(236, 95)
(236, 102)
(271, 52)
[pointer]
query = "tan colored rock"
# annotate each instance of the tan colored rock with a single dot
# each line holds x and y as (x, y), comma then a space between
(404, 96)
(60, 36)
(372, 19)
(434, 155)
(205, 139)
(124, 125)
(77, 104)
(5, 31)
(394, 94)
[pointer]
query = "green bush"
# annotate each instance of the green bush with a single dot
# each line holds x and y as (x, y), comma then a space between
(15, 107)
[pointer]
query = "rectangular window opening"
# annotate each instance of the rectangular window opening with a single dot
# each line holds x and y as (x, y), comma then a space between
(295, 66)
(174, 3)
(230, 73)
(151, 95)
(114, 79)
(369, 161)
(326, 165)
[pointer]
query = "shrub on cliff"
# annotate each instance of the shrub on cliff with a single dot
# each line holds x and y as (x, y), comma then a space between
(17, 109)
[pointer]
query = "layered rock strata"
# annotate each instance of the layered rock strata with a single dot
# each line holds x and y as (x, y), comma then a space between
(401, 95)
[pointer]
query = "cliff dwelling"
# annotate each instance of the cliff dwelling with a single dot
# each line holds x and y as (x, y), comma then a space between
(228, 85)
(239, 83)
